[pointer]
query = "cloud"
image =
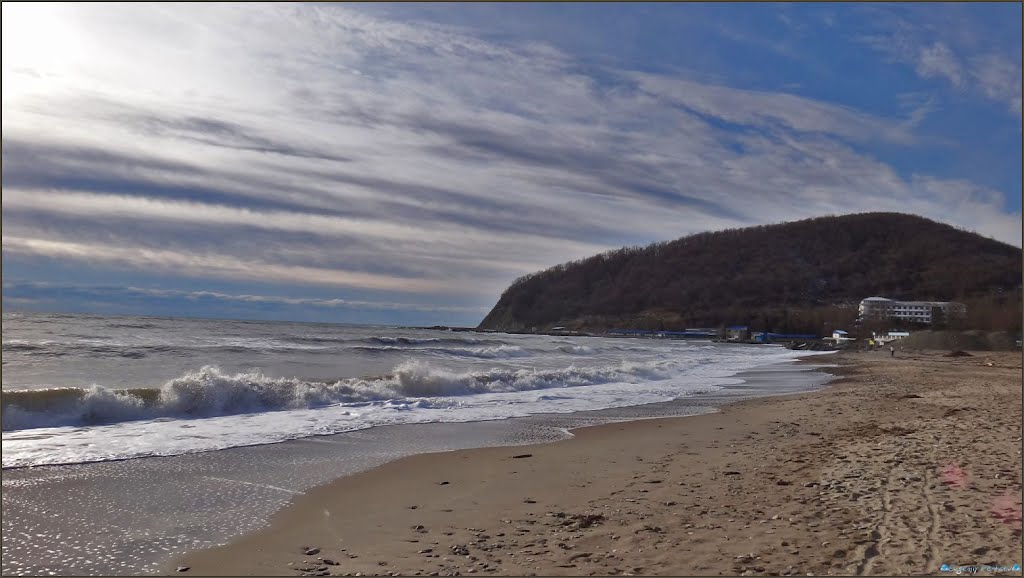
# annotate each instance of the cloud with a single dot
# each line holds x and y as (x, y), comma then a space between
(999, 78)
(952, 48)
(938, 60)
(766, 109)
(457, 242)
(921, 107)
(116, 292)
(194, 264)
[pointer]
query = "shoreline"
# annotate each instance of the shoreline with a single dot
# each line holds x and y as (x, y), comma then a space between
(781, 484)
(132, 516)
(756, 374)
(32, 407)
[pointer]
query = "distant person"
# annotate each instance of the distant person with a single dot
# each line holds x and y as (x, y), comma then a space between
(892, 351)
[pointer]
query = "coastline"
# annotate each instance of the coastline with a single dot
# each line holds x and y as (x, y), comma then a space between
(897, 467)
(132, 516)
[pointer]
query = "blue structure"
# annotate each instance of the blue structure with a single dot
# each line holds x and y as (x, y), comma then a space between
(687, 333)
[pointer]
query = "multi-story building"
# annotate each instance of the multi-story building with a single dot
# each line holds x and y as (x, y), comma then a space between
(917, 311)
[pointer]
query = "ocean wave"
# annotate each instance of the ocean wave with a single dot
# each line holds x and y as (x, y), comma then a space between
(139, 325)
(403, 340)
(209, 393)
(393, 342)
(631, 348)
(372, 349)
(98, 347)
(434, 341)
(139, 351)
(23, 345)
(577, 349)
(498, 352)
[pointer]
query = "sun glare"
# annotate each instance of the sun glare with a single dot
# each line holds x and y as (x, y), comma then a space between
(38, 45)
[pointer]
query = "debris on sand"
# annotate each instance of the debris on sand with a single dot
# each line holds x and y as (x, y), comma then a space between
(583, 520)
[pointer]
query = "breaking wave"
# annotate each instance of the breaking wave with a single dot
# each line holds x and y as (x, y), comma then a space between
(498, 352)
(577, 349)
(208, 392)
(433, 341)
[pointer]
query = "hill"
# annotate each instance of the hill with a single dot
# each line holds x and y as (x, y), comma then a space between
(802, 276)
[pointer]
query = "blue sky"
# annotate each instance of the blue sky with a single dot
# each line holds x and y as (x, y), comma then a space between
(403, 163)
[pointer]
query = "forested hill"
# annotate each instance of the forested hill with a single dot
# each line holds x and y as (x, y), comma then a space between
(787, 277)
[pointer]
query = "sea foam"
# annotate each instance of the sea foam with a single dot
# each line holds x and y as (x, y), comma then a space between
(208, 392)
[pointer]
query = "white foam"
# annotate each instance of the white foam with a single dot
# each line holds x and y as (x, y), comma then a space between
(208, 409)
(577, 349)
(209, 392)
(498, 352)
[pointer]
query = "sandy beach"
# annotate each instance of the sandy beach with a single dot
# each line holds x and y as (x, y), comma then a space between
(900, 466)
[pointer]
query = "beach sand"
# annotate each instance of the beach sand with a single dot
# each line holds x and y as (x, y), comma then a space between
(898, 467)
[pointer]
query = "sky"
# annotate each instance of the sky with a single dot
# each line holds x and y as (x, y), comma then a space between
(403, 163)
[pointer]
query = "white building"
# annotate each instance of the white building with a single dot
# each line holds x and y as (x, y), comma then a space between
(891, 336)
(917, 311)
(839, 336)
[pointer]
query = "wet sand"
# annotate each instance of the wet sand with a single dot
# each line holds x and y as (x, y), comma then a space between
(898, 467)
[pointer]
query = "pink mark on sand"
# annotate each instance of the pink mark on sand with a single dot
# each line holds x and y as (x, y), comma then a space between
(1007, 508)
(954, 476)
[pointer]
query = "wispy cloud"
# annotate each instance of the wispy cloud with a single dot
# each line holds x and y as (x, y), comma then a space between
(218, 265)
(1000, 78)
(418, 240)
(950, 52)
(937, 60)
(762, 110)
(115, 292)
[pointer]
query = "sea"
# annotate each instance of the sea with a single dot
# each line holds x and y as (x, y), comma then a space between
(86, 397)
